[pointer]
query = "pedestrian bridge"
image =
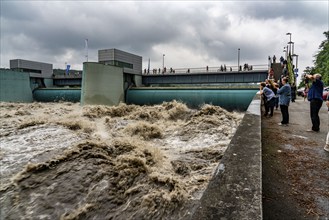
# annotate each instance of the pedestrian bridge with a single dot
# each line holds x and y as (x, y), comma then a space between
(187, 76)
(202, 76)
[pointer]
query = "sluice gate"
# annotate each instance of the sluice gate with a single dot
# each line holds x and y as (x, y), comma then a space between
(231, 99)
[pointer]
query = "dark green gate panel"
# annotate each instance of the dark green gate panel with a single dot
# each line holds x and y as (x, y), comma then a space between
(207, 78)
(228, 99)
(15, 86)
(55, 95)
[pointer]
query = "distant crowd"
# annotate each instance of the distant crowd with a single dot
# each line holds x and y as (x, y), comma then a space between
(222, 68)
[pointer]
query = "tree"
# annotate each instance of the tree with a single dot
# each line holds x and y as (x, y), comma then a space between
(308, 71)
(321, 61)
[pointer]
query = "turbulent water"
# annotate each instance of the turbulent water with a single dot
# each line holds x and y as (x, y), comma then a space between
(65, 161)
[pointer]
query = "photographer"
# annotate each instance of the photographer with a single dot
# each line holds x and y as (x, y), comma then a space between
(315, 98)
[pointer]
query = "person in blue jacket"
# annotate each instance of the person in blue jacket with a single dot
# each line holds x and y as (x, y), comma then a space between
(315, 97)
(269, 99)
(284, 100)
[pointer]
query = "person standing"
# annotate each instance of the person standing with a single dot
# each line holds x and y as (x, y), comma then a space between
(281, 60)
(305, 92)
(326, 147)
(293, 92)
(315, 98)
(270, 74)
(284, 100)
(269, 101)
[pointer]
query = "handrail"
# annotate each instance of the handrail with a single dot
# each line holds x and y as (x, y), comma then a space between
(206, 69)
(71, 76)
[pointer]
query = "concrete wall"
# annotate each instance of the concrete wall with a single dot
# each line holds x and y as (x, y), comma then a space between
(15, 86)
(235, 191)
(107, 55)
(37, 69)
(101, 84)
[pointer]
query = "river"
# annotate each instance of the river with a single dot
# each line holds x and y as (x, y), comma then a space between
(66, 161)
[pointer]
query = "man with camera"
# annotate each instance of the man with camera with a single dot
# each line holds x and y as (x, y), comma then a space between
(315, 98)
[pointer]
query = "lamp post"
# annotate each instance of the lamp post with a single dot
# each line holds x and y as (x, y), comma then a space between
(238, 59)
(163, 55)
(290, 47)
(289, 42)
(295, 55)
(293, 47)
(296, 67)
(297, 62)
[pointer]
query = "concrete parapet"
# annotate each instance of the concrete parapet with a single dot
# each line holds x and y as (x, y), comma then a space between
(235, 191)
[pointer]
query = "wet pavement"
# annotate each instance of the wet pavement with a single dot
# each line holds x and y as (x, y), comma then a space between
(295, 167)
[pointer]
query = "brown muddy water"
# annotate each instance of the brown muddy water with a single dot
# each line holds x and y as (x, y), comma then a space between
(65, 161)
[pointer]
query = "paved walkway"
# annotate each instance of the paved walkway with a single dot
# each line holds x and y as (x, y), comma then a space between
(295, 166)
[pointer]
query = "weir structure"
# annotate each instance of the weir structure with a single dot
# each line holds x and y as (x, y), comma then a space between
(235, 190)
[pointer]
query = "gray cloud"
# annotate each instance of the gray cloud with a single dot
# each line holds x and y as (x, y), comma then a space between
(205, 32)
(311, 11)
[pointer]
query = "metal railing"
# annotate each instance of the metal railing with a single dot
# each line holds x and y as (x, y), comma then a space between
(206, 69)
(71, 76)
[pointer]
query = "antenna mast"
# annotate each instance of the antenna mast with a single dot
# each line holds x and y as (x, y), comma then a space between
(86, 48)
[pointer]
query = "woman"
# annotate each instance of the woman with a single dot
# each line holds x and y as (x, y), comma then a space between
(269, 101)
(284, 100)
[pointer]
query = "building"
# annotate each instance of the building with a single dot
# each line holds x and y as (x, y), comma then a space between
(35, 69)
(130, 62)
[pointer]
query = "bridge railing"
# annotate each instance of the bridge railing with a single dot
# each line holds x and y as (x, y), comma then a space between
(71, 76)
(206, 69)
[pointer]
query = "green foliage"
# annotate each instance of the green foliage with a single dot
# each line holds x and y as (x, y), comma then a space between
(307, 71)
(322, 59)
(321, 62)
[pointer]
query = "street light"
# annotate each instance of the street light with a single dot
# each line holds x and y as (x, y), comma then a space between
(285, 50)
(238, 59)
(296, 67)
(289, 42)
(163, 55)
(293, 47)
(295, 55)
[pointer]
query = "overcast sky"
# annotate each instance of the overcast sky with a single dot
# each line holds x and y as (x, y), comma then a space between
(189, 33)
